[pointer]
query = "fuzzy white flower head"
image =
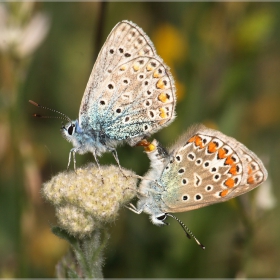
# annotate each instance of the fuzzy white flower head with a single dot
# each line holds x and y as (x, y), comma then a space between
(18, 35)
(75, 220)
(83, 201)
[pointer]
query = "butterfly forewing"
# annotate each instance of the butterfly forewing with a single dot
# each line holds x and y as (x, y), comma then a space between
(134, 92)
(208, 167)
(113, 53)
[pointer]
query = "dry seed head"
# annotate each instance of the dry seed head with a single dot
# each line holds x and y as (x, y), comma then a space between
(83, 201)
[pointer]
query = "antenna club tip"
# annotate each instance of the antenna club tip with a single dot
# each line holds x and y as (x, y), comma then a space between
(34, 103)
(64, 117)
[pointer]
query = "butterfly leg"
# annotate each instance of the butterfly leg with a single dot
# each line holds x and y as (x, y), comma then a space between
(72, 152)
(97, 162)
(114, 152)
(133, 208)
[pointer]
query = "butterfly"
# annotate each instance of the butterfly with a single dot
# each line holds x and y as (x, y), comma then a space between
(129, 96)
(202, 168)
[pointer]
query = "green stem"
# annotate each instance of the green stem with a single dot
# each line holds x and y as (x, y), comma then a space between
(17, 123)
(93, 252)
(102, 246)
(88, 252)
(80, 256)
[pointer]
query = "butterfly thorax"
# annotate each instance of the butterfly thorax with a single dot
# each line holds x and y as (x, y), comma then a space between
(87, 139)
(151, 190)
(151, 201)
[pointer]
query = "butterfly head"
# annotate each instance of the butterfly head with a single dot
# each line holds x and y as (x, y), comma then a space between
(159, 219)
(70, 130)
(149, 204)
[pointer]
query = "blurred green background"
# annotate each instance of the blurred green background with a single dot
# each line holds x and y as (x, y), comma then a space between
(225, 58)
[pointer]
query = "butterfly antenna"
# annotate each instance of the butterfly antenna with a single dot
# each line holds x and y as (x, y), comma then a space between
(64, 117)
(186, 230)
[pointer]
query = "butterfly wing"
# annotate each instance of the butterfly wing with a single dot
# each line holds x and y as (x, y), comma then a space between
(130, 93)
(208, 167)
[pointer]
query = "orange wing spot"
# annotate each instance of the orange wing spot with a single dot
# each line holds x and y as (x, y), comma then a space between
(229, 161)
(233, 170)
(223, 193)
(160, 84)
(156, 74)
(141, 53)
(212, 148)
(250, 180)
(229, 183)
(149, 67)
(123, 67)
(136, 67)
(162, 113)
(163, 97)
(221, 153)
(250, 170)
(149, 148)
(192, 139)
(198, 142)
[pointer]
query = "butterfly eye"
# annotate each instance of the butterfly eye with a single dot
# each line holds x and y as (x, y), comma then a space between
(71, 129)
(161, 217)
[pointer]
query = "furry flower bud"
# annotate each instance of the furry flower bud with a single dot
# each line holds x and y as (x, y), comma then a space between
(83, 201)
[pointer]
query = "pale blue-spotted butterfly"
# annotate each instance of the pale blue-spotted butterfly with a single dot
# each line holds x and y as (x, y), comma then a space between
(129, 96)
(204, 167)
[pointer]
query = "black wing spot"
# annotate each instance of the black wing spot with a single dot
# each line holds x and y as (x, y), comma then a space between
(181, 170)
(191, 156)
(184, 181)
(198, 181)
(206, 164)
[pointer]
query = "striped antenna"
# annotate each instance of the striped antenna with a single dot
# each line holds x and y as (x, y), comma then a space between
(187, 231)
(64, 117)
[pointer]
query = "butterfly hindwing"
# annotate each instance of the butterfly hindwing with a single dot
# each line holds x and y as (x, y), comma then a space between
(208, 167)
